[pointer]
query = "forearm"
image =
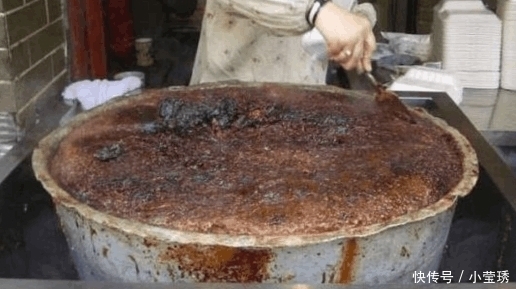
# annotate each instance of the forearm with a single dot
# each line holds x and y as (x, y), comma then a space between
(281, 17)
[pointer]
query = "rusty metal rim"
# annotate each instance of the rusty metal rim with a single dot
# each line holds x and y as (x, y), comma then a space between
(45, 149)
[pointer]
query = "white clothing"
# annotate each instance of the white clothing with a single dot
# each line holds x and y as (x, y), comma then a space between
(259, 41)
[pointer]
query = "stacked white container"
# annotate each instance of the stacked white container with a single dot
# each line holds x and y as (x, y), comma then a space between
(419, 78)
(507, 12)
(466, 38)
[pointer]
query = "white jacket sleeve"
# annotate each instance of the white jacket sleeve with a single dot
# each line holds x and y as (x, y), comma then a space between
(367, 10)
(281, 17)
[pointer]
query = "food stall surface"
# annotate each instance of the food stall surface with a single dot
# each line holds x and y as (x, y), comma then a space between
(32, 245)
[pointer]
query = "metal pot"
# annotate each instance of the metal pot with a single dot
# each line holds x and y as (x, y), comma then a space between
(105, 247)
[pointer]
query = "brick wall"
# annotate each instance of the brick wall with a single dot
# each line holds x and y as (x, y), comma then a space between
(32, 56)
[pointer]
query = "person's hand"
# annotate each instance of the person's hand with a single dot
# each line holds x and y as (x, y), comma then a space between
(349, 37)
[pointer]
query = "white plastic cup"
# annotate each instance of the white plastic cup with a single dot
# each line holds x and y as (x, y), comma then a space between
(143, 56)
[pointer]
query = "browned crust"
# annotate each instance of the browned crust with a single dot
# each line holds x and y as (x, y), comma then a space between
(470, 171)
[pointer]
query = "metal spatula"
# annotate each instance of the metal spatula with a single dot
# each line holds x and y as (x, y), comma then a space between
(372, 79)
(390, 99)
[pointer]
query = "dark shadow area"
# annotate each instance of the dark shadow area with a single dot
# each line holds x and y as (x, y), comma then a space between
(32, 245)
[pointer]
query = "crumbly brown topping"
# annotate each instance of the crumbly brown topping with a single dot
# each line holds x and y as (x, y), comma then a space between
(257, 161)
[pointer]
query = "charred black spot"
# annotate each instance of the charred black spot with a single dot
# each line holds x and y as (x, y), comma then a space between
(202, 178)
(152, 127)
(109, 152)
(246, 180)
(441, 185)
(301, 192)
(130, 182)
(243, 122)
(272, 197)
(143, 196)
(173, 177)
(274, 111)
(82, 196)
(183, 117)
(290, 114)
(400, 167)
(351, 199)
(277, 220)
(341, 130)
(163, 147)
(225, 112)
(335, 120)
(169, 107)
(188, 117)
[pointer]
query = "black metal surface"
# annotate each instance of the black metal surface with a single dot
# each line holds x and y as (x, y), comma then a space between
(500, 138)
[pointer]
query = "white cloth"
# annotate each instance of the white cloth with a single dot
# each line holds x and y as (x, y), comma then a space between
(257, 40)
(93, 93)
